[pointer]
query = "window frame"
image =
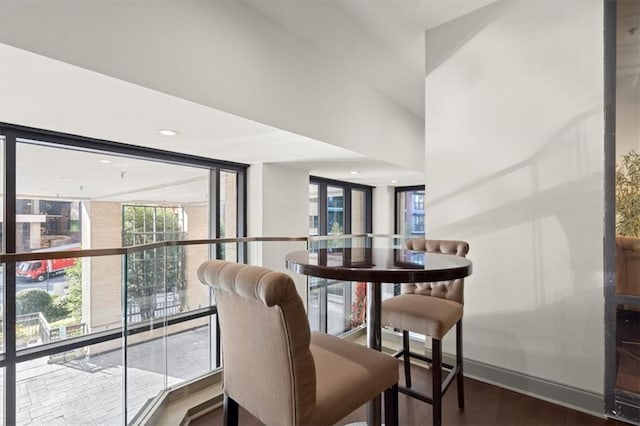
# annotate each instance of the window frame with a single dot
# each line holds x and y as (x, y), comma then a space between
(396, 204)
(15, 134)
(347, 188)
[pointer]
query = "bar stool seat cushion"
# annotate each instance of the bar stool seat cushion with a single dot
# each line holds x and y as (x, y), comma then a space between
(407, 312)
(341, 369)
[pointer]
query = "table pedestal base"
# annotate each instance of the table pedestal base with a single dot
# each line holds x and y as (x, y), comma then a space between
(374, 341)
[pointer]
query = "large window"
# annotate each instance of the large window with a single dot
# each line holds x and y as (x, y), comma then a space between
(64, 193)
(409, 217)
(337, 208)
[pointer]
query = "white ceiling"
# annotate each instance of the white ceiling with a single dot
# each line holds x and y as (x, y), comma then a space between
(380, 41)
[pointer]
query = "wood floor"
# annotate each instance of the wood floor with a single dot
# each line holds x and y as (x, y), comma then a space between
(486, 405)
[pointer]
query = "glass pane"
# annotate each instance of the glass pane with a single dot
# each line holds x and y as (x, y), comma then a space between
(98, 200)
(156, 289)
(3, 249)
(335, 211)
(155, 364)
(627, 133)
(81, 203)
(188, 349)
(358, 212)
(358, 304)
(313, 210)
(49, 299)
(157, 282)
(411, 213)
(338, 307)
(79, 387)
(313, 304)
(2, 420)
(2, 330)
(229, 213)
(628, 349)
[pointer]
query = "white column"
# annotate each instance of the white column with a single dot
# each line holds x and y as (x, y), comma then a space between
(278, 205)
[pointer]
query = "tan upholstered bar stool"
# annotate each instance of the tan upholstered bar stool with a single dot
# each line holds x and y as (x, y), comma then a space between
(431, 309)
(275, 367)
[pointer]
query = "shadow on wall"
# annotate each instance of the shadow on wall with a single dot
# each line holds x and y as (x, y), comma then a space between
(550, 297)
(544, 197)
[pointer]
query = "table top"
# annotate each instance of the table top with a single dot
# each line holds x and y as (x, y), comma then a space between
(378, 265)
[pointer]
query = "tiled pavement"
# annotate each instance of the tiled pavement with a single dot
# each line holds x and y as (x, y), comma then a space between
(89, 391)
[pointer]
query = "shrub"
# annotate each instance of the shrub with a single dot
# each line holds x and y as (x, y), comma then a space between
(32, 300)
(58, 309)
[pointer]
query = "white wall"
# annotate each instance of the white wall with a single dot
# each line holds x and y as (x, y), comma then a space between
(514, 165)
(223, 55)
(278, 206)
(383, 214)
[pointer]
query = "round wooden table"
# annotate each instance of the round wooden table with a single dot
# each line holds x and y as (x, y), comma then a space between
(375, 266)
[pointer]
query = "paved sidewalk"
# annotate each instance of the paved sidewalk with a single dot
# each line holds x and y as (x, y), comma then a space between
(89, 391)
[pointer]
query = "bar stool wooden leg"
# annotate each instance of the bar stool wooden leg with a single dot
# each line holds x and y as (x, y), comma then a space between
(407, 358)
(391, 406)
(460, 378)
(436, 355)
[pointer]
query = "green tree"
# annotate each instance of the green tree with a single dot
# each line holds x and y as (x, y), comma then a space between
(73, 299)
(628, 195)
(148, 271)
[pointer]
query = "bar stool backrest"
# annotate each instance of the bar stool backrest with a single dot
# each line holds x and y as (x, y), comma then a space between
(268, 366)
(450, 290)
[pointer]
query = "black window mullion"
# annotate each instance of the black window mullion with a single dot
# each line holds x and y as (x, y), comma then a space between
(346, 210)
(216, 209)
(214, 326)
(323, 217)
(368, 209)
(241, 219)
(9, 235)
(323, 305)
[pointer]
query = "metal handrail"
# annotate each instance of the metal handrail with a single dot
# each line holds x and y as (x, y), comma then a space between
(348, 236)
(63, 254)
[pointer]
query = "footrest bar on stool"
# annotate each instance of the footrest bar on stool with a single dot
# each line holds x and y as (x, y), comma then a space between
(447, 381)
(414, 394)
(422, 358)
(422, 397)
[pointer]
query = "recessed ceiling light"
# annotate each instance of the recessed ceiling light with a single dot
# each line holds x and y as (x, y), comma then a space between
(168, 132)
(354, 172)
(105, 161)
(394, 181)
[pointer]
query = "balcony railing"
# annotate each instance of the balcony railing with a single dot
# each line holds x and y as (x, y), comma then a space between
(161, 329)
